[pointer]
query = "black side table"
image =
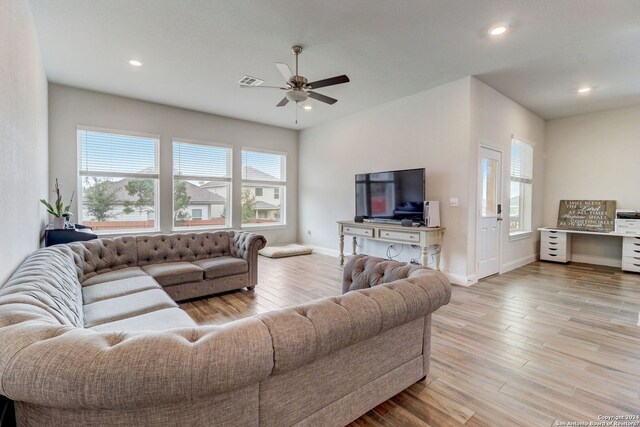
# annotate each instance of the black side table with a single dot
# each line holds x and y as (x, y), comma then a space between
(56, 237)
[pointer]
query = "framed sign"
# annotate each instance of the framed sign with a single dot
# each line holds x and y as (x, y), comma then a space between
(587, 215)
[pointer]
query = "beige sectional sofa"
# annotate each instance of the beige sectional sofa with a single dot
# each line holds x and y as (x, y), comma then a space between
(67, 358)
(185, 265)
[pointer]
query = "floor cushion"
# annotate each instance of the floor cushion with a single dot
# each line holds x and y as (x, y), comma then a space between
(117, 288)
(123, 273)
(159, 320)
(285, 251)
(174, 273)
(222, 266)
(126, 306)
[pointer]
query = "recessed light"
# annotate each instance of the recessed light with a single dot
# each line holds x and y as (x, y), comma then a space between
(307, 107)
(585, 89)
(135, 63)
(498, 30)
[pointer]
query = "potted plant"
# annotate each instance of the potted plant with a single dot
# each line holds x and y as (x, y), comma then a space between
(58, 209)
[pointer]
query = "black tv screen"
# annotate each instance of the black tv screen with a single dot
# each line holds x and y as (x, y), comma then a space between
(393, 195)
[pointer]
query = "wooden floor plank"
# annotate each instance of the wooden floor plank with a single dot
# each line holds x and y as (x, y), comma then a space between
(542, 343)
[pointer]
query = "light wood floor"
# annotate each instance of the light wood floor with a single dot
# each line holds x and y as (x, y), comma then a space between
(541, 344)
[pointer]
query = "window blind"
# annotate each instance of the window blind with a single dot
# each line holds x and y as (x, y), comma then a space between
(521, 161)
(199, 162)
(117, 155)
(259, 166)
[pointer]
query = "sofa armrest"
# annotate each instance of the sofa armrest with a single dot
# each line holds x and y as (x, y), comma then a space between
(67, 367)
(246, 245)
(308, 332)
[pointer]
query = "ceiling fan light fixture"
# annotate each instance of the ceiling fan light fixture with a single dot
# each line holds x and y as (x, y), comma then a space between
(297, 95)
(307, 107)
(498, 30)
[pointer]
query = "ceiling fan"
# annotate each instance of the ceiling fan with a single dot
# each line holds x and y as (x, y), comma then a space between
(298, 87)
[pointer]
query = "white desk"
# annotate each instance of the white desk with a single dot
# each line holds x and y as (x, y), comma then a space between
(555, 245)
(427, 238)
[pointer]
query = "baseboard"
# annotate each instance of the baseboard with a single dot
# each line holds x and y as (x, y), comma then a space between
(597, 260)
(325, 251)
(459, 279)
(512, 265)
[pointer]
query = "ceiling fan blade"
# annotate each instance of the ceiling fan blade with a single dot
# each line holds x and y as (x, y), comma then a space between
(267, 87)
(322, 98)
(284, 102)
(285, 71)
(328, 82)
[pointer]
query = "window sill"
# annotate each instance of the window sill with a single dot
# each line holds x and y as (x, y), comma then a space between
(199, 229)
(520, 235)
(257, 227)
(108, 234)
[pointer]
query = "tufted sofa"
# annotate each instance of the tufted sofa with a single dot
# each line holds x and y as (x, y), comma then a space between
(319, 364)
(185, 265)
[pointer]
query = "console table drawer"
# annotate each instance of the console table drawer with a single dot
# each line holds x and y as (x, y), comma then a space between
(400, 235)
(357, 231)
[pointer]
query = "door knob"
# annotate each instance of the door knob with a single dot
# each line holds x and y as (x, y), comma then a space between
(499, 218)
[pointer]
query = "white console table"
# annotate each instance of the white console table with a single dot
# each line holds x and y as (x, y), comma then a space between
(426, 238)
(555, 245)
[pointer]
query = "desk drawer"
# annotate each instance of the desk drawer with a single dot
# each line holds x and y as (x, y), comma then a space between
(632, 251)
(553, 256)
(357, 231)
(631, 266)
(401, 236)
(553, 245)
(553, 236)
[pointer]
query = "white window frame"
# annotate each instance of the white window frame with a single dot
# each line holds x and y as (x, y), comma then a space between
(82, 174)
(229, 180)
(267, 184)
(525, 196)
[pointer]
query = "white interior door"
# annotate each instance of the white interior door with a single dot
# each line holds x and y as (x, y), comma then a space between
(489, 212)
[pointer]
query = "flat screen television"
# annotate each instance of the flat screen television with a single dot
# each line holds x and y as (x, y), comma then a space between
(391, 196)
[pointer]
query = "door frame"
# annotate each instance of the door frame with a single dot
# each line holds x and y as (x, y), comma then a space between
(478, 210)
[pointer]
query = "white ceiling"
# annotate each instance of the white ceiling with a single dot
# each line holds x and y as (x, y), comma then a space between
(195, 51)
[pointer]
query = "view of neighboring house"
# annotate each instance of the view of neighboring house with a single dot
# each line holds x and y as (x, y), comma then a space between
(120, 206)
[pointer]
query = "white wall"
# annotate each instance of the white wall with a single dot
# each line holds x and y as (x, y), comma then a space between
(439, 129)
(23, 136)
(593, 156)
(70, 107)
(426, 130)
(494, 119)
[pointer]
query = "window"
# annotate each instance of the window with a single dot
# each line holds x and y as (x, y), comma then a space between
(201, 185)
(196, 214)
(118, 181)
(261, 172)
(521, 182)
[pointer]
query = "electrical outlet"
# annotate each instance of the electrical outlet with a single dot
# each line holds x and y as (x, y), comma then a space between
(453, 202)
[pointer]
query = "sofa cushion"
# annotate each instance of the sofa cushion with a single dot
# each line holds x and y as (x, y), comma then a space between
(110, 276)
(126, 306)
(222, 266)
(118, 288)
(159, 320)
(174, 273)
